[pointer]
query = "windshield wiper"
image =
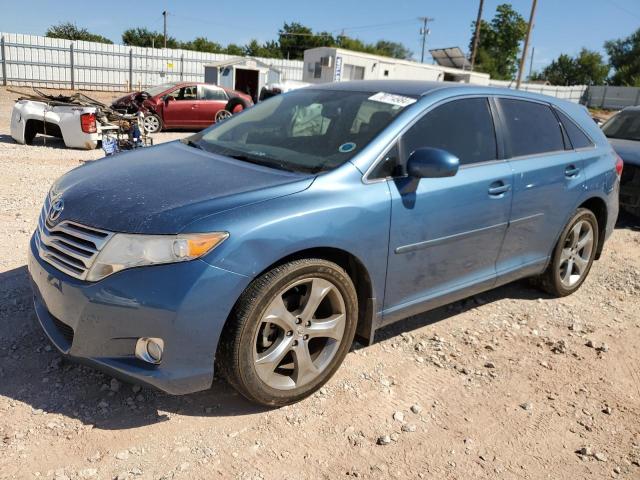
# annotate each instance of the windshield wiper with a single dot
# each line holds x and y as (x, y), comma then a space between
(272, 163)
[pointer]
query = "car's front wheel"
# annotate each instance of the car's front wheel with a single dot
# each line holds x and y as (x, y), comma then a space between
(289, 331)
(152, 123)
(573, 255)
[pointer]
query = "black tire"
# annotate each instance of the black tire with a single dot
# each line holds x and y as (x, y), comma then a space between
(30, 132)
(550, 280)
(236, 102)
(237, 343)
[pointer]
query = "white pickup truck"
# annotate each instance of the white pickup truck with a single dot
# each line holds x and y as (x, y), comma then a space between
(79, 120)
(76, 125)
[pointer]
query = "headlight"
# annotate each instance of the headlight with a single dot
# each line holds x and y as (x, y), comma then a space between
(128, 250)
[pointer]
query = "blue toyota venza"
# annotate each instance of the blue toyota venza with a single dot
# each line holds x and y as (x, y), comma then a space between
(261, 247)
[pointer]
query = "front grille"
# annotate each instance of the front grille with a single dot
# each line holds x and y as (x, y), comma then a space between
(65, 330)
(70, 247)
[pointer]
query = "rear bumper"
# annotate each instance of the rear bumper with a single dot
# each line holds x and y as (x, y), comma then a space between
(185, 304)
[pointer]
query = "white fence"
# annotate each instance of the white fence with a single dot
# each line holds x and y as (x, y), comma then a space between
(31, 60)
(574, 94)
(613, 97)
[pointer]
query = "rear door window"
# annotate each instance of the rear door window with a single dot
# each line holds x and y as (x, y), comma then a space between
(577, 137)
(209, 92)
(531, 128)
(462, 127)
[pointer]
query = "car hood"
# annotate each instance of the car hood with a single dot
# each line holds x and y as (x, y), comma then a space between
(125, 100)
(162, 189)
(629, 150)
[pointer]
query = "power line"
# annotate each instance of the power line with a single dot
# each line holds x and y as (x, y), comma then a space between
(378, 25)
(624, 9)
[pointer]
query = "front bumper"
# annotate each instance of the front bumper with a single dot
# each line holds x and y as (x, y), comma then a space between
(185, 304)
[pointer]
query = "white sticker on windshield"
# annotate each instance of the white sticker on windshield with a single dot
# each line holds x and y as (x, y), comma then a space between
(391, 99)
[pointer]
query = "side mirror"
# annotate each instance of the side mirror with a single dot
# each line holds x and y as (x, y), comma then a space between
(167, 99)
(432, 163)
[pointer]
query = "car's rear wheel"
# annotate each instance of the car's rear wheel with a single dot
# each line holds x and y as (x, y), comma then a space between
(289, 332)
(573, 255)
(236, 105)
(152, 123)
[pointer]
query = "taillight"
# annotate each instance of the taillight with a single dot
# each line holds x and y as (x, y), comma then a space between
(88, 123)
(619, 165)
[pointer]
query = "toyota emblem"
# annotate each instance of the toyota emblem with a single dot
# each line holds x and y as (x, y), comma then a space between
(57, 205)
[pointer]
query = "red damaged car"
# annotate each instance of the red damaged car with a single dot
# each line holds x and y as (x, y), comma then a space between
(184, 105)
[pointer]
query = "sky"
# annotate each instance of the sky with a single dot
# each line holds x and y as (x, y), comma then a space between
(561, 26)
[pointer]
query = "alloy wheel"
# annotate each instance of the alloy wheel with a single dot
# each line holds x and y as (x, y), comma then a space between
(222, 115)
(299, 333)
(576, 253)
(151, 123)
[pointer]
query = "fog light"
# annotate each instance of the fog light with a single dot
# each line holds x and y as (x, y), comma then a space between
(150, 349)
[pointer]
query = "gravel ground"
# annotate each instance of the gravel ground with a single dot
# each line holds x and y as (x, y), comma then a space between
(509, 384)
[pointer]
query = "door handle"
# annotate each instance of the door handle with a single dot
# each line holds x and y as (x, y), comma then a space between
(194, 106)
(571, 171)
(499, 188)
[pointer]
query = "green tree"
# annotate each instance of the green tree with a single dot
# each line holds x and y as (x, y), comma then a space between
(143, 37)
(269, 49)
(624, 55)
(70, 31)
(393, 49)
(294, 38)
(500, 43)
(202, 44)
(587, 68)
(234, 49)
(355, 44)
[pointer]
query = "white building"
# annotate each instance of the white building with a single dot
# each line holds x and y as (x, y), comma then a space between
(245, 74)
(328, 64)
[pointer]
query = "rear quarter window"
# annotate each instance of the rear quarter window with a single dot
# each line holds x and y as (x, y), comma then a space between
(531, 128)
(577, 137)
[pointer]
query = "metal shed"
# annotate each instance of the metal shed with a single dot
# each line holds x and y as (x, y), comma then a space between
(245, 74)
(328, 64)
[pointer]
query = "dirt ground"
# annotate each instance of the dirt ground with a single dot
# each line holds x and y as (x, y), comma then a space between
(510, 384)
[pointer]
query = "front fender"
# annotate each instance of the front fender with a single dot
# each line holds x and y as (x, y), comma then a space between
(337, 211)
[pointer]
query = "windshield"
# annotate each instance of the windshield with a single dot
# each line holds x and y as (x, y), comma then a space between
(625, 125)
(304, 130)
(158, 89)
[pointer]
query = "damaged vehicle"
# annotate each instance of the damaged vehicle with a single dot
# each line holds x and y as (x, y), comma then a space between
(261, 247)
(623, 132)
(186, 105)
(278, 88)
(80, 121)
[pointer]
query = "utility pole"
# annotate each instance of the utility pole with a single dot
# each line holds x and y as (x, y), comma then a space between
(476, 35)
(526, 43)
(533, 53)
(164, 14)
(424, 31)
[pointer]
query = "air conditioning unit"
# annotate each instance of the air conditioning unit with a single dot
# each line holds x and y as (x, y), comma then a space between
(326, 61)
